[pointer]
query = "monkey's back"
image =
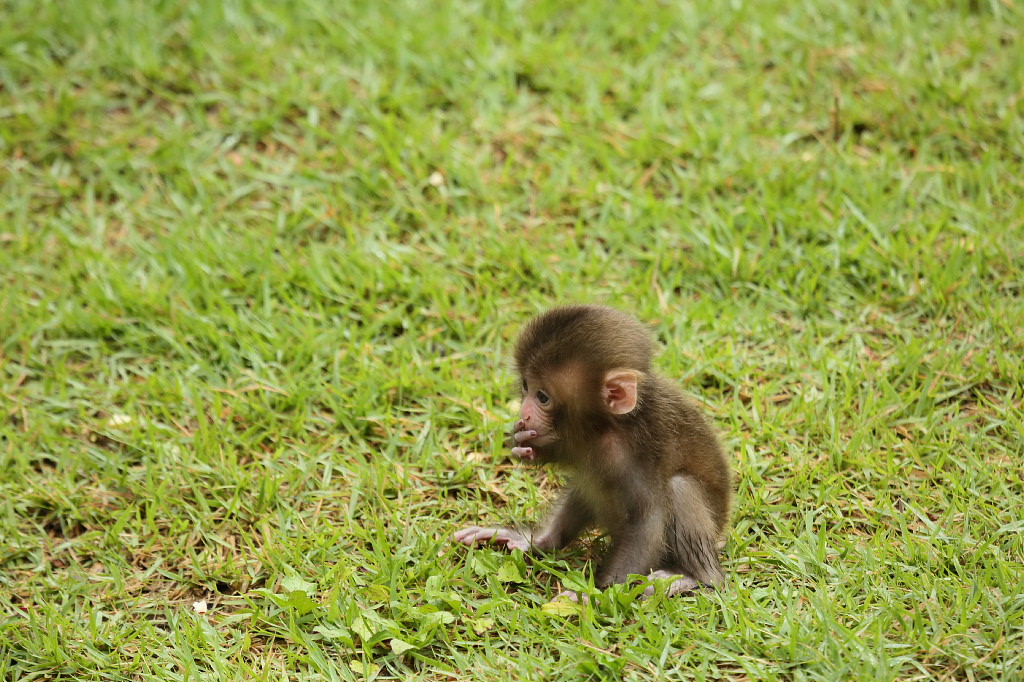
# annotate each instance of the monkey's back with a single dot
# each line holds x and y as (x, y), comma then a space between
(685, 442)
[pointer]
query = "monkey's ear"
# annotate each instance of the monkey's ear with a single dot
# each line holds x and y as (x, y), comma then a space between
(619, 390)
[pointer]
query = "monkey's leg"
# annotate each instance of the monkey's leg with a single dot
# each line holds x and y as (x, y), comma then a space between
(636, 546)
(692, 536)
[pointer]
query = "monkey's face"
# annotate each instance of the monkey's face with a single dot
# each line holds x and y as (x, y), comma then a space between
(564, 407)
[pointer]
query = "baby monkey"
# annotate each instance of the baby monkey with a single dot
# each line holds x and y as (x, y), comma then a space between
(645, 465)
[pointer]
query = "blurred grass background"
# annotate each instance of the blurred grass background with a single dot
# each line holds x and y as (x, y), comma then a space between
(261, 263)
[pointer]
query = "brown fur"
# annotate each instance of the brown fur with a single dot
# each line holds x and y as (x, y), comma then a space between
(655, 478)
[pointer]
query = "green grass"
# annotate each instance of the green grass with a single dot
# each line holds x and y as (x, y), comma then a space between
(261, 263)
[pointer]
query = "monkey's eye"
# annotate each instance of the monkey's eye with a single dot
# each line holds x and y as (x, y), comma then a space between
(542, 398)
(524, 386)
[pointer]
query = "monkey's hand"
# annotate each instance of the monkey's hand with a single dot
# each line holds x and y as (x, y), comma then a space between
(512, 539)
(521, 435)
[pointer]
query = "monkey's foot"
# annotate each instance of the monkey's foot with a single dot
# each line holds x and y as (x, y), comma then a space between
(682, 584)
(475, 535)
(572, 596)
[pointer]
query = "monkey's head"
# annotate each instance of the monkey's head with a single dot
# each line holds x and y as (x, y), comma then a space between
(580, 368)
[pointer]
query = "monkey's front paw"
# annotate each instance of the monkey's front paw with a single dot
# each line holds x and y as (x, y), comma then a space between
(526, 454)
(520, 437)
(475, 535)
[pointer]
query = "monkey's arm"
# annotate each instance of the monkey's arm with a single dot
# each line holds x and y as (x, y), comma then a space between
(570, 516)
(565, 523)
